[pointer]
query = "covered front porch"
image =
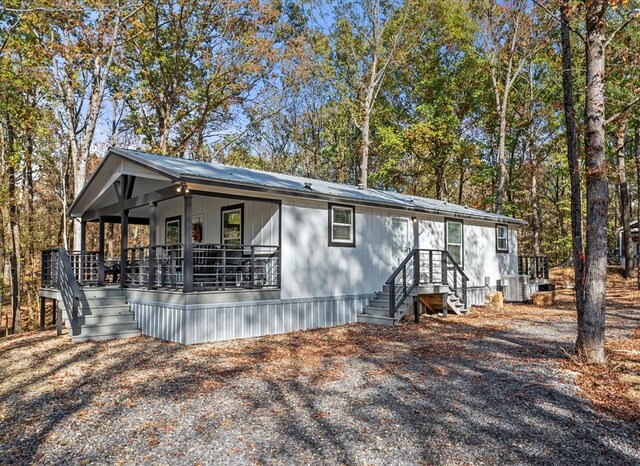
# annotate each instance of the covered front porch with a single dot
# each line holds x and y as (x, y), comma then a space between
(192, 237)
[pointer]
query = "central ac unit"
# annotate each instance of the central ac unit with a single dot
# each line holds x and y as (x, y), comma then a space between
(515, 288)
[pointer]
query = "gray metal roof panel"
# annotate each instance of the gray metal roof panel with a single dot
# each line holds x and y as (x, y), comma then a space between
(187, 168)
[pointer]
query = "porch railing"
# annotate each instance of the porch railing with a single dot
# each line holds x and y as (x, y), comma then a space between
(83, 264)
(534, 266)
(215, 266)
(62, 270)
(425, 266)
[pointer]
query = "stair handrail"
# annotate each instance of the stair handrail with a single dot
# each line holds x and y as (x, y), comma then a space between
(69, 289)
(457, 270)
(402, 268)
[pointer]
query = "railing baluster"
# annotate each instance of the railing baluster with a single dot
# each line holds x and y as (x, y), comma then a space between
(430, 266)
(444, 268)
(252, 266)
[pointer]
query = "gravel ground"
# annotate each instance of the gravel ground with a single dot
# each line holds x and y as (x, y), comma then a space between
(487, 388)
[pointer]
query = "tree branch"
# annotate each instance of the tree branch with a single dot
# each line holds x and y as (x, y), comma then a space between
(624, 109)
(557, 18)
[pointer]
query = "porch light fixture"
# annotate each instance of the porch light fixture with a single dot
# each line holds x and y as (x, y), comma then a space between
(414, 219)
(182, 187)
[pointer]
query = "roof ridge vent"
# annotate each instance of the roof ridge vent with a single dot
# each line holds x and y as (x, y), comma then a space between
(307, 185)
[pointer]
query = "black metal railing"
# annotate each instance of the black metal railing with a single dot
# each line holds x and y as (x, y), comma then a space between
(425, 266)
(534, 266)
(215, 266)
(62, 270)
(227, 266)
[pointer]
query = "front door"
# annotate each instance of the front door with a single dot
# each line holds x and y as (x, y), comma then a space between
(400, 245)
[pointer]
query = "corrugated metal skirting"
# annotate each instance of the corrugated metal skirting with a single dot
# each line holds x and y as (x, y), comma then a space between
(228, 322)
(476, 296)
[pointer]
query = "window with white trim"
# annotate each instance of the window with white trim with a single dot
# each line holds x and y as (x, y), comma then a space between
(341, 225)
(454, 241)
(502, 238)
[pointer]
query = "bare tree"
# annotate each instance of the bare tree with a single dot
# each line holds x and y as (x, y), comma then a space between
(375, 29)
(507, 42)
(82, 46)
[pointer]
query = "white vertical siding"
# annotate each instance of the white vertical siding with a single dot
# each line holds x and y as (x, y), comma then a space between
(260, 218)
(310, 267)
(431, 231)
(480, 257)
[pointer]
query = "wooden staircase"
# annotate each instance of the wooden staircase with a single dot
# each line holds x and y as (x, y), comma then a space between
(428, 277)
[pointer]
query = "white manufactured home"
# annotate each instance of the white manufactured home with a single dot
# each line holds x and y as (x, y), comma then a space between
(232, 252)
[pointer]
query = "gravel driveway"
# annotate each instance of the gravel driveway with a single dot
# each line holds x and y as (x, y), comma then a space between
(487, 388)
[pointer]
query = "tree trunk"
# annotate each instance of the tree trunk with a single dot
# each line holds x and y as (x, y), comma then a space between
(574, 163)
(574, 170)
(625, 212)
(14, 230)
(536, 211)
(439, 175)
(366, 123)
(502, 163)
(637, 153)
(364, 148)
(590, 342)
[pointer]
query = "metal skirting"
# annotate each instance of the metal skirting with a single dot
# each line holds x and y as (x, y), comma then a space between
(476, 296)
(191, 324)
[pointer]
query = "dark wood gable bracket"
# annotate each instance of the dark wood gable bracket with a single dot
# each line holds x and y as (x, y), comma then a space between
(133, 202)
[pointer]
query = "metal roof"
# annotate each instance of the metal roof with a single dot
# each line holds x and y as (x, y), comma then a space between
(245, 178)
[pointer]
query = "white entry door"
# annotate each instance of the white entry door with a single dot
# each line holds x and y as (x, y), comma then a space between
(400, 245)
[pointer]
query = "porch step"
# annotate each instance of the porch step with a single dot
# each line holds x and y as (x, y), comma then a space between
(377, 310)
(106, 336)
(101, 319)
(102, 301)
(378, 320)
(93, 330)
(92, 292)
(105, 309)
(104, 314)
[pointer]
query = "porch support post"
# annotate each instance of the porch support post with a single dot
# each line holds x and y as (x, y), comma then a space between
(124, 244)
(43, 302)
(101, 252)
(187, 266)
(83, 235)
(54, 311)
(59, 320)
(152, 242)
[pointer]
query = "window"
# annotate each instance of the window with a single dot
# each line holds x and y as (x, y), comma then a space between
(502, 238)
(342, 225)
(232, 219)
(454, 241)
(173, 230)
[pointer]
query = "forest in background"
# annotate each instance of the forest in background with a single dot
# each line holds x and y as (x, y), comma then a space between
(459, 100)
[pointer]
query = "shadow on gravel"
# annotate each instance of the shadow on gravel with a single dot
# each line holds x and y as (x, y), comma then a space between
(437, 392)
